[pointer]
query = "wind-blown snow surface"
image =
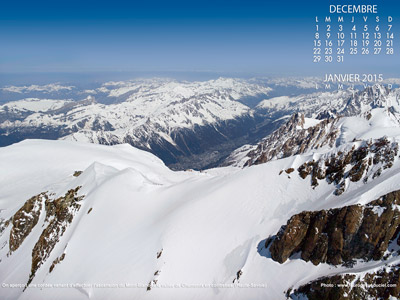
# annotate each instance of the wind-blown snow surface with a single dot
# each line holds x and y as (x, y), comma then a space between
(208, 225)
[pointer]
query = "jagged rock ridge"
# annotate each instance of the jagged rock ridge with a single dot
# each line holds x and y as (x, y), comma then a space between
(353, 165)
(292, 139)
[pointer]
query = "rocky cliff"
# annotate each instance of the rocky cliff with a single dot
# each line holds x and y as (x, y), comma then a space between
(340, 235)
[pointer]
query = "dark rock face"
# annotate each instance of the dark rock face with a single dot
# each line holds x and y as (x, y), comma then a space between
(380, 285)
(292, 139)
(24, 220)
(340, 235)
(360, 162)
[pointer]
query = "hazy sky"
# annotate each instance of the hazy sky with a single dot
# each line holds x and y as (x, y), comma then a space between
(271, 37)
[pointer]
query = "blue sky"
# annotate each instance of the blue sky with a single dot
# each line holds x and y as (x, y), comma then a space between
(260, 37)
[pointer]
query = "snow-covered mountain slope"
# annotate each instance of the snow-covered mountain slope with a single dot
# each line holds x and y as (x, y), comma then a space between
(115, 222)
(167, 90)
(164, 116)
(324, 104)
(33, 105)
(359, 119)
(187, 124)
(187, 103)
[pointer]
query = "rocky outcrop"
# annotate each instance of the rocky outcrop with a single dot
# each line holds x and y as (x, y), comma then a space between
(355, 164)
(56, 261)
(24, 220)
(77, 173)
(4, 224)
(340, 235)
(59, 214)
(375, 285)
(292, 139)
